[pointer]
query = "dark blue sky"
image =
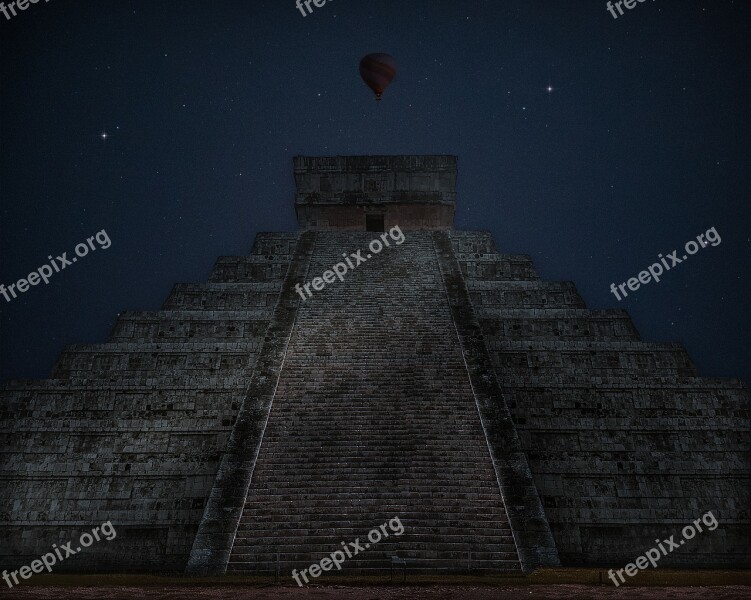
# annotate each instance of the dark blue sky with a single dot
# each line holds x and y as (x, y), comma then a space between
(642, 145)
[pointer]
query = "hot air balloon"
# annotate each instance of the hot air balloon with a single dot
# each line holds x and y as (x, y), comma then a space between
(378, 71)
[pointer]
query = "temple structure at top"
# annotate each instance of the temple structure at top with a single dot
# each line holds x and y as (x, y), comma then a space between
(370, 193)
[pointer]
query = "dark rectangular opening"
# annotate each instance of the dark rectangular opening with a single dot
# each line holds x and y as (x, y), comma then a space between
(374, 223)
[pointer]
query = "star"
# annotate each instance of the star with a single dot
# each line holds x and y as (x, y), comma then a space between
(104, 136)
(550, 89)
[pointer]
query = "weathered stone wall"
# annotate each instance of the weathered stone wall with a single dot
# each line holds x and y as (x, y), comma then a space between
(375, 179)
(625, 442)
(407, 216)
(132, 431)
(414, 192)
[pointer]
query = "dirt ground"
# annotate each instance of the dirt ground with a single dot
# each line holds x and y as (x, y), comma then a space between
(438, 592)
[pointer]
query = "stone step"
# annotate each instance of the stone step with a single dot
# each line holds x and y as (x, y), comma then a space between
(379, 565)
(488, 296)
(362, 459)
(634, 357)
(260, 297)
(287, 516)
(98, 361)
(561, 324)
(190, 325)
(472, 242)
(281, 244)
(293, 553)
(361, 449)
(247, 269)
(454, 484)
(497, 267)
(20, 388)
(258, 523)
(448, 547)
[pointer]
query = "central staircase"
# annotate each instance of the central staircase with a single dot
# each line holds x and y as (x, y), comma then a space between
(374, 418)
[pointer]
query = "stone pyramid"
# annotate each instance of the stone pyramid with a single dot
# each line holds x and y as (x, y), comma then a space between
(248, 426)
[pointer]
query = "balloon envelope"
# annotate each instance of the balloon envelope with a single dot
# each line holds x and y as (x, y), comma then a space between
(378, 71)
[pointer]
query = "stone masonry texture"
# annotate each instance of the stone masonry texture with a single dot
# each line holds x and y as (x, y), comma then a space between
(241, 428)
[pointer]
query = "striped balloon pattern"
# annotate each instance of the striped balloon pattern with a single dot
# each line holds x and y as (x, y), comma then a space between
(378, 71)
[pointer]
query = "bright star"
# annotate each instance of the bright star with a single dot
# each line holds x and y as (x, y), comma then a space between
(550, 88)
(104, 135)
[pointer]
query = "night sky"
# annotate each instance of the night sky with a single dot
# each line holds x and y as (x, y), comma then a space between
(591, 143)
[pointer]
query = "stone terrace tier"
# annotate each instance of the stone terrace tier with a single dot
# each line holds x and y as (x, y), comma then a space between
(625, 442)
(131, 431)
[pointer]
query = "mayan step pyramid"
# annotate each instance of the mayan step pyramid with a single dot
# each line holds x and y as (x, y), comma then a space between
(250, 426)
